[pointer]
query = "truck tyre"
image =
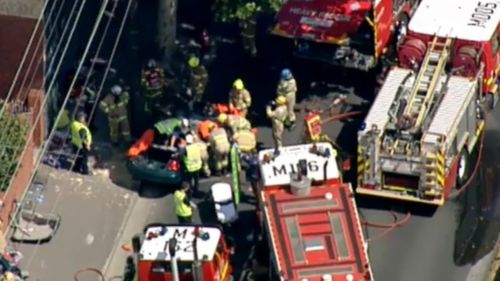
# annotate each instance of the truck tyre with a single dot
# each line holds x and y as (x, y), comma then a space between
(490, 101)
(463, 168)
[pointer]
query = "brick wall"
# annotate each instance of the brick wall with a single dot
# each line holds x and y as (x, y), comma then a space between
(21, 180)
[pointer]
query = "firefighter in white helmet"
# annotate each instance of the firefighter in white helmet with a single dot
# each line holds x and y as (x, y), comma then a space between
(192, 163)
(278, 117)
(219, 147)
(115, 106)
(239, 97)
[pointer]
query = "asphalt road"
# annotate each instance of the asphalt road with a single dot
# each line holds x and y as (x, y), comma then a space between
(451, 244)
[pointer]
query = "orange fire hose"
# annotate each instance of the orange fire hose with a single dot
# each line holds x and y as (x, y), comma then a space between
(340, 116)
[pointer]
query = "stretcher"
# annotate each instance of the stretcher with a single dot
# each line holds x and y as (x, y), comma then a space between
(225, 209)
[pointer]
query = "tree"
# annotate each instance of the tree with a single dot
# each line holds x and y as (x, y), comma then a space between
(13, 132)
(235, 10)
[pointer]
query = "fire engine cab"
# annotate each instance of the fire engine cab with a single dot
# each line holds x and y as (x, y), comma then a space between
(310, 217)
(183, 253)
(472, 25)
(351, 33)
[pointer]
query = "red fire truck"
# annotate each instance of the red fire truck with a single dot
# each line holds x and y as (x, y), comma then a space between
(183, 253)
(310, 217)
(351, 33)
(420, 138)
(474, 27)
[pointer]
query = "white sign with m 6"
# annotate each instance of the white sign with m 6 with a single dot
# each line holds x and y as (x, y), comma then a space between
(320, 161)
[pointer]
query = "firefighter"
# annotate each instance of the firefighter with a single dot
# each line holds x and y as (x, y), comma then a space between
(239, 98)
(203, 147)
(153, 81)
(287, 87)
(219, 144)
(193, 163)
(169, 131)
(248, 31)
(183, 204)
(278, 117)
(115, 105)
(81, 140)
(204, 128)
(246, 140)
(234, 123)
(198, 78)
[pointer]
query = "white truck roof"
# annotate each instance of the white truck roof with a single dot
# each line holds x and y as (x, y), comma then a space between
(472, 20)
(378, 114)
(458, 97)
(278, 171)
(157, 247)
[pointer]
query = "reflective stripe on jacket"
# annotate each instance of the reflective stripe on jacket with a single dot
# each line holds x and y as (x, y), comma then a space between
(239, 123)
(182, 209)
(76, 139)
(192, 159)
(167, 126)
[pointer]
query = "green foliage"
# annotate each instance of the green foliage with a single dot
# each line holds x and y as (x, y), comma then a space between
(13, 134)
(233, 10)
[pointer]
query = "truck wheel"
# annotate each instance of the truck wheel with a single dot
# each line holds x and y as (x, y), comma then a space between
(463, 168)
(490, 101)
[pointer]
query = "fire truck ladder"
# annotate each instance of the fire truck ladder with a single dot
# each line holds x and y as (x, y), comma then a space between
(424, 88)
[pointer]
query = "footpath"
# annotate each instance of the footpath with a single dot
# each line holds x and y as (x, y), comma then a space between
(92, 208)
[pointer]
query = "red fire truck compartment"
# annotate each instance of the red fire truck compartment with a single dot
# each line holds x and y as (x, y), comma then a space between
(316, 235)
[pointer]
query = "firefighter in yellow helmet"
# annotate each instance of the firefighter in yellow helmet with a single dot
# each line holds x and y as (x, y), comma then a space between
(219, 146)
(246, 140)
(115, 106)
(234, 123)
(198, 78)
(240, 98)
(278, 117)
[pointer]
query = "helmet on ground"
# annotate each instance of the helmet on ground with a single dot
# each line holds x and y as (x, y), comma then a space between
(286, 74)
(116, 90)
(193, 62)
(152, 63)
(222, 118)
(185, 123)
(189, 139)
(238, 84)
(280, 100)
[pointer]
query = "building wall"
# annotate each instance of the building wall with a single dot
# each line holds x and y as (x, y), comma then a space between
(17, 21)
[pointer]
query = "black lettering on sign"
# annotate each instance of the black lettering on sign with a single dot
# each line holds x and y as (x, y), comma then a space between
(482, 14)
(286, 169)
(183, 234)
(188, 248)
(279, 171)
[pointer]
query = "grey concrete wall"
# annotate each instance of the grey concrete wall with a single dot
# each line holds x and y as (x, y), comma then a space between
(21, 8)
(167, 13)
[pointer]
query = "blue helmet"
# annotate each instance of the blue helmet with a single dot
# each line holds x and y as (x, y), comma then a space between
(286, 74)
